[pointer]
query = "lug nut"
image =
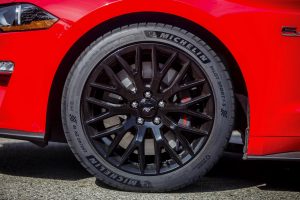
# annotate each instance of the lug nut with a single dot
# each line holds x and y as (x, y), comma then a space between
(140, 120)
(148, 94)
(161, 104)
(157, 120)
(134, 104)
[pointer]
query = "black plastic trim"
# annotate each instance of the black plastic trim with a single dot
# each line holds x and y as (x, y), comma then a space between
(37, 138)
(290, 31)
(293, 156)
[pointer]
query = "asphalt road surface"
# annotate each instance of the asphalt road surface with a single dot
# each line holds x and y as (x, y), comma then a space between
(31, 172)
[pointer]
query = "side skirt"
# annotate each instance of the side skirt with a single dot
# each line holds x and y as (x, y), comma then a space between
(36, 138)
(292, 156)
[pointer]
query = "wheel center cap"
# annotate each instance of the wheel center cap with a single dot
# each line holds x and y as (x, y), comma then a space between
(148, 107)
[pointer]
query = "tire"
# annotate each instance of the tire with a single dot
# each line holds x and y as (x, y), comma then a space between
(199, 140)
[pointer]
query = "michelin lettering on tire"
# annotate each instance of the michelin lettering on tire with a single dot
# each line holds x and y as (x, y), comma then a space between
(178, 40)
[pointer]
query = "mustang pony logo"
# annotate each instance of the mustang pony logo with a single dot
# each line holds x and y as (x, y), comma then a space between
(148, 109)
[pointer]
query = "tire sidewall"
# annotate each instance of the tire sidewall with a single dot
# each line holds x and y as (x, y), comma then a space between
(80, 144)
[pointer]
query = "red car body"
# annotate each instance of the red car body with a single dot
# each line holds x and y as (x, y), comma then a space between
(251, 31)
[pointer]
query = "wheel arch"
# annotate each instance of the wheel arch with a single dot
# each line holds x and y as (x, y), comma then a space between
(54, 130)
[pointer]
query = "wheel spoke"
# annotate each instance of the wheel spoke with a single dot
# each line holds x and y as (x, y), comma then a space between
(132, 146)
(173, 108)
(191, 130)
(138, 69)
(159, 76)
(124, 64)
(116, 142)
(136, 143)
(154, 62)
(114, 109)
(191, 85)
(181, 73)
(179, 128)
(142, 157)
(179, 109)
(171, 152)
(107, 132)
(113, 77)
(157, 151)
(196, 100)
(161, 142)
(157, 148)
(198, 115)
(104, 87)
(98, 102)
(119, 131)
(141, 148)
(120, 88)
(168, 64)
(173, 89)
(155, 82)
(138, 61)
(99, 118)
(175, 84)
(186, 145)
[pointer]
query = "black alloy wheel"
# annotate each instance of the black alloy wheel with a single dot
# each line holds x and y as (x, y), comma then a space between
(148, 97)
(148, 107)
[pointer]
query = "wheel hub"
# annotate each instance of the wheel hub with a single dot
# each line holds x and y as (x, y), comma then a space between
(148, 108)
